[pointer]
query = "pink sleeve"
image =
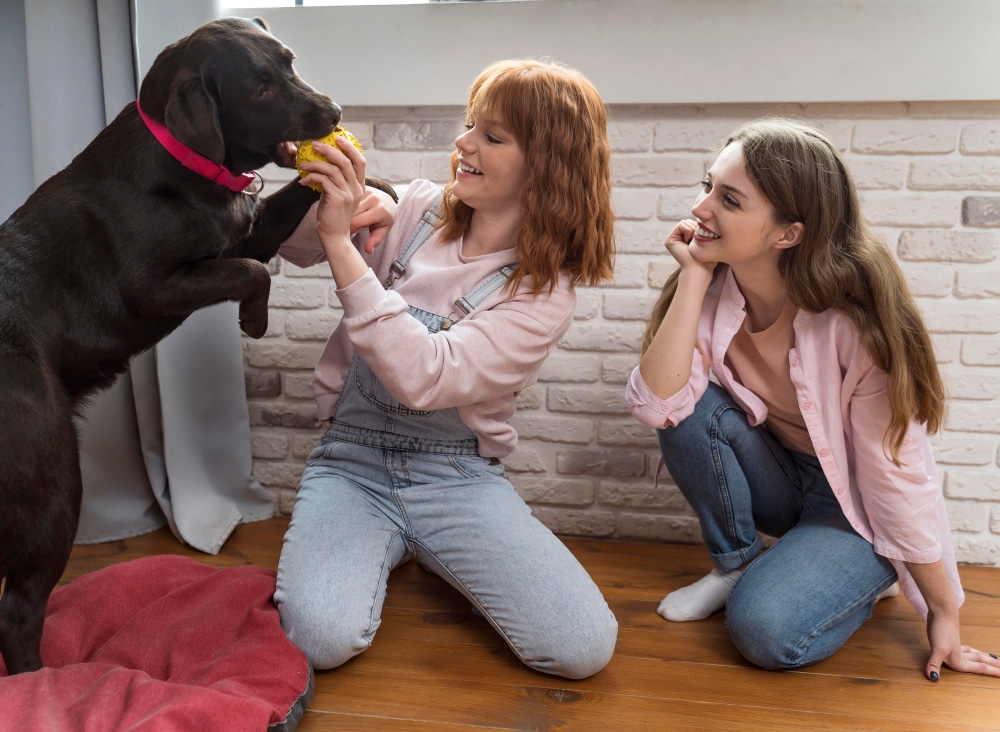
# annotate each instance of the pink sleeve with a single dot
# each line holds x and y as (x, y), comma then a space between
(495, 351)
(653, 411)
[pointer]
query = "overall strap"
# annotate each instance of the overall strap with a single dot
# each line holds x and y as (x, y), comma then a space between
(420, 234)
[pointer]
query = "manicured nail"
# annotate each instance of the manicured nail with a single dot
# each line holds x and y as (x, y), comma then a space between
(934, 676)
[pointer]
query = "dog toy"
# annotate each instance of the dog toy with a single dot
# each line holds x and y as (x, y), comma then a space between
(306, 152)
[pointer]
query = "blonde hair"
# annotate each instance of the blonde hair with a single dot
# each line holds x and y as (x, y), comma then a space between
(839, 264)
(559, 121)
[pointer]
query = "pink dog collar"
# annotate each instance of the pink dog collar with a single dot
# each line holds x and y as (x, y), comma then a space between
(193, 161)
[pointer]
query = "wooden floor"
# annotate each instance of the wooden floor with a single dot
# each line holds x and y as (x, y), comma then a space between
(436, 666)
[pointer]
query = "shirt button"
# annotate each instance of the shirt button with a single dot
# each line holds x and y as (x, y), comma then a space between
(807, 407)
(824, 453)
(795, 362)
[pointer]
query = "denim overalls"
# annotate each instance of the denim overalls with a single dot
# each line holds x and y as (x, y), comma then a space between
(388, 484)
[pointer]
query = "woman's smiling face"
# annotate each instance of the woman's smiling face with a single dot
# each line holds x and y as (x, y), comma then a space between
(491, 165)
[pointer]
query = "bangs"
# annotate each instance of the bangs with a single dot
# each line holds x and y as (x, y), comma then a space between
(506, 93)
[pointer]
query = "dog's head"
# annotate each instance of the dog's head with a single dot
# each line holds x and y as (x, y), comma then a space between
(229, 92)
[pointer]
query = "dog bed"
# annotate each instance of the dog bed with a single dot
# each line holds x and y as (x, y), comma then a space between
(162, 643)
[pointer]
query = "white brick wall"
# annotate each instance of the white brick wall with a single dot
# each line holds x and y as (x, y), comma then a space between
(929, 175)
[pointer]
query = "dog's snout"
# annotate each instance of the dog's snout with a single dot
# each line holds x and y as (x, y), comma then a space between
(334, 114)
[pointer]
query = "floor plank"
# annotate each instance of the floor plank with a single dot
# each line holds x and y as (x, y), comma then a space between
(435, 665)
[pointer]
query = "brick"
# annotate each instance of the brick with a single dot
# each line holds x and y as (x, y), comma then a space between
(946, 347)
(900, 210)
(980, 351)
(630, 137)
(675, 204)
(277, 475)
(617, 369)
(979, 283)
(973, 384)
(600, 462)
(838, 130)
(299, 386)
(556, 491)
(571, 367)
(645, 237)
(972, 485)
(629, 305)
(905, 136)
(878, 173)
(949, 246)
(659, 272)
(972, 417)
(952, 449)
(275, 325)
(625, 433)
(409, 136)
(594, 524)
(587, 337)
(588, 303)
(524, 460)
(283, 415)
(531, 398)
(954, 316)
(393, 167)
(630, 272)
(286, 501)
(318, 271)
(600, 400)
(262, 383)
(311, 325)
(642, 494)
(696, 135)
(929, 280)
(554, 428)
(265, 356)
(656, 171)
(977, 551)
(963, 175)
(435, 167)
(268, 445)
(981, 211)
(302, 445)
(969, 518)
(297, 295)
(649, 527)
(980, 138)
(629, 203)
(995, 521)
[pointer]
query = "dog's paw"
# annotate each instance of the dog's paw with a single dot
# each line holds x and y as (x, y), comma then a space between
(253, 326)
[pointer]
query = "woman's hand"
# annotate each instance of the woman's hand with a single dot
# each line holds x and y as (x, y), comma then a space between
(679, 246)
(947, 649)
(377, 213)
(342, 177)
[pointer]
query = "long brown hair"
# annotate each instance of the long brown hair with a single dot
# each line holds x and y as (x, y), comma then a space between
(560, 123)
(840, 264)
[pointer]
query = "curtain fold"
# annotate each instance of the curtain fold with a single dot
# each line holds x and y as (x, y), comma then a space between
(169, 443)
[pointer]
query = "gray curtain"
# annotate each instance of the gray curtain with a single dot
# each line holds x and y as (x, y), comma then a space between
(169, 444)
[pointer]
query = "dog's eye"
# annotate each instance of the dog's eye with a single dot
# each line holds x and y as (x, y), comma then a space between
(262, 92)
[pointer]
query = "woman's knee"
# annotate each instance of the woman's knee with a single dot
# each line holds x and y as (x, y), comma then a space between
(327, 641)
(579, 653)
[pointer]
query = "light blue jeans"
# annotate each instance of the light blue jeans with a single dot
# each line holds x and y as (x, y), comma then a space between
(798, 602)
(388, 484)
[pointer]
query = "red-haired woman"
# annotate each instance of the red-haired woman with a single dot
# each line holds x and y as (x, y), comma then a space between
(445, 322)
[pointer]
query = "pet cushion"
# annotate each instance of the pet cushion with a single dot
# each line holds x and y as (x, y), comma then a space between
(162, 643)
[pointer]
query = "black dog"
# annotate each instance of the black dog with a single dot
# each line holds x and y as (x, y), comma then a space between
(110, 255)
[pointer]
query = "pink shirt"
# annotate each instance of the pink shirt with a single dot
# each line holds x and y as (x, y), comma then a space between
(479, 365)
(843, 399)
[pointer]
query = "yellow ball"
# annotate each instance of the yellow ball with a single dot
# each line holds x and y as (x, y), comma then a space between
(307, 153)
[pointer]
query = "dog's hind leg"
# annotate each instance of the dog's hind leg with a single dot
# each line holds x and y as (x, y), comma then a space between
(40, 491)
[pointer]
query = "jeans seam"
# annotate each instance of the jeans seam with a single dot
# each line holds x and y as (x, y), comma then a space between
(720, 472)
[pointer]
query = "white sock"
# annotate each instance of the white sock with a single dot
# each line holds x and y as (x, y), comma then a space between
(699, 600)
(891, 591)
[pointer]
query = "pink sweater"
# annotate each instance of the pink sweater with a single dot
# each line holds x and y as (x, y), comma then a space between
(479, 365)
(843, 398)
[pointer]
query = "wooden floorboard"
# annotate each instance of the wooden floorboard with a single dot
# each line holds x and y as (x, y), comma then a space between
(435, 665)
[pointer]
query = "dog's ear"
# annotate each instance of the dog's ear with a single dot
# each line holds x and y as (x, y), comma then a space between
(193, 117)
(261, 22)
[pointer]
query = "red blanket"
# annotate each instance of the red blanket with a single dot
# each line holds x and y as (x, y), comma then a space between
(162, 643)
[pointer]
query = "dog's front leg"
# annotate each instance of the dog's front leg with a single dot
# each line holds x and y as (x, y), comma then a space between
(205, 282)
(275, 220)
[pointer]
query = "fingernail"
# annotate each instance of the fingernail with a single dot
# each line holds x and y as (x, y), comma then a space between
(993, 655)
(934, 676)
